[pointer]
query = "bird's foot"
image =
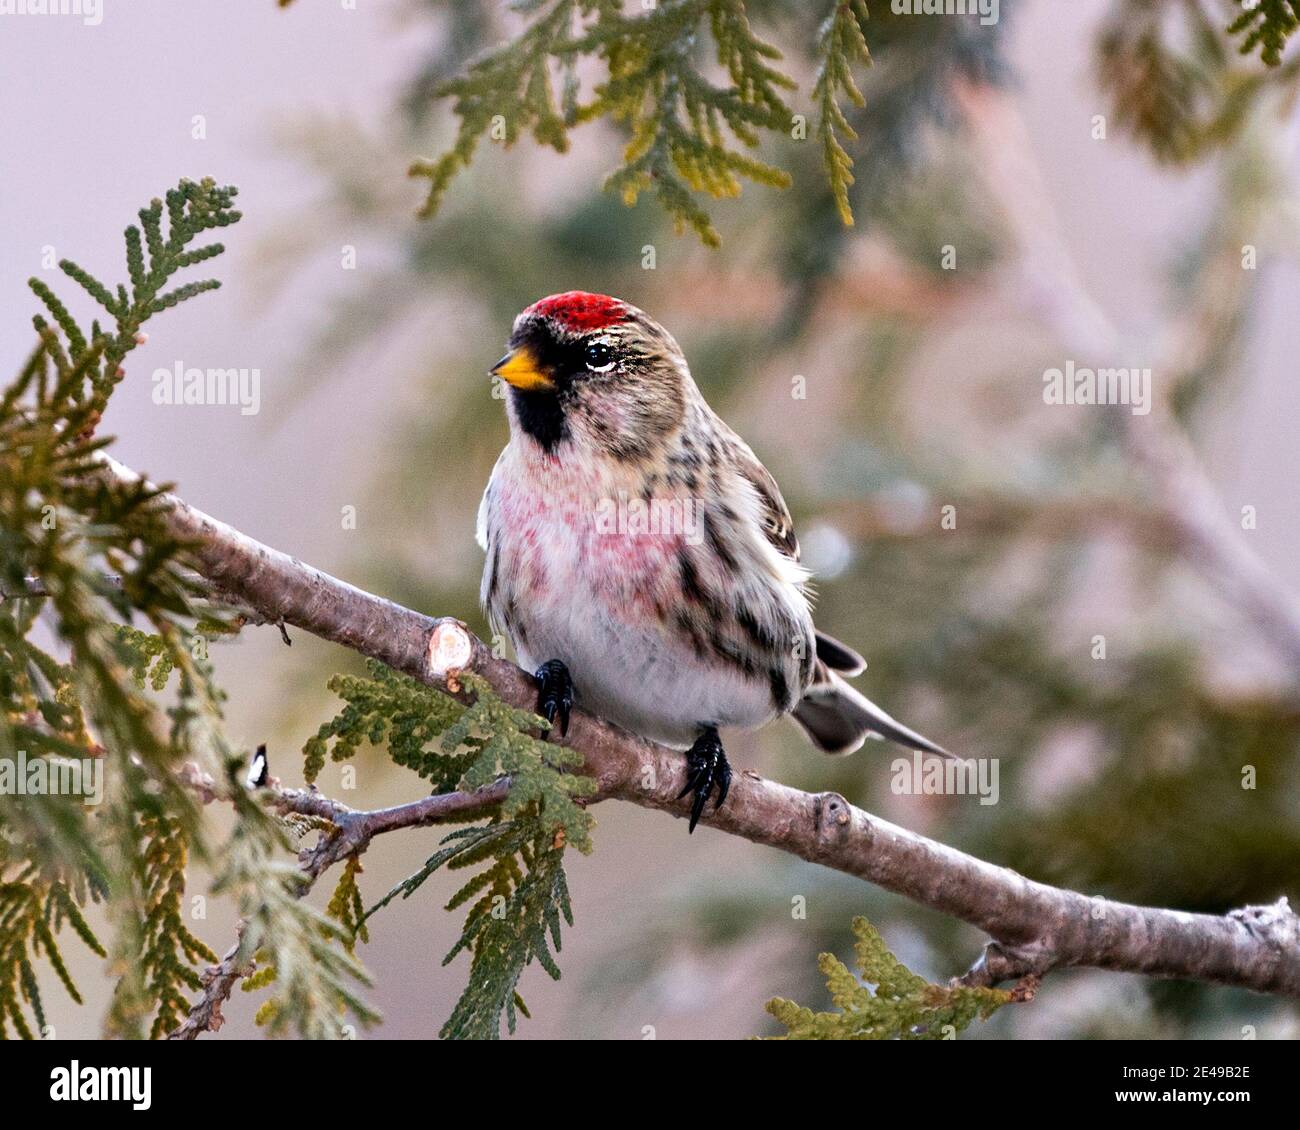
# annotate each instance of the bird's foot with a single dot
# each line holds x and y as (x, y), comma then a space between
(706, 765)
(554, 693)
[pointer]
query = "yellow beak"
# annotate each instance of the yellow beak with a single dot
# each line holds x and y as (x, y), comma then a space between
(519, 368)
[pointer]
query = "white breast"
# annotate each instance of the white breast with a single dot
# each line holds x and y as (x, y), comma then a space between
(637, 675)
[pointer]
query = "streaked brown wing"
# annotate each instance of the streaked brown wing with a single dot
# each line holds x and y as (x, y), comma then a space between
(779, 528)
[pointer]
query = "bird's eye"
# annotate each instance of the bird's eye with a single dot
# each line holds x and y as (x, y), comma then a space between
(599, 358)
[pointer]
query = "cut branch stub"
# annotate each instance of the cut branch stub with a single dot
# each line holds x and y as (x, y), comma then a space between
(451, 650)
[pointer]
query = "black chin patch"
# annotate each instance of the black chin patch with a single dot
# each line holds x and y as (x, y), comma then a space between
(541, 416)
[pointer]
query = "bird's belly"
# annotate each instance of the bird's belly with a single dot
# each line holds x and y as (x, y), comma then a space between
(639, 676)
(605, 606)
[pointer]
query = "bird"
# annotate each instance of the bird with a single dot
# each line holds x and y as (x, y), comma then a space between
(641, 559)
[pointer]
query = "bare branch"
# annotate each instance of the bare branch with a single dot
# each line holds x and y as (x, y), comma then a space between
(219, 982)
(351, 834)
(354, 830)
(1035, 927)
(35, 586)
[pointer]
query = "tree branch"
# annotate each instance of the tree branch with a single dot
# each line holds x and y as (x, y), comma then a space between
(351, 834)
(355, 830)
(219, 982)
(1034, 927)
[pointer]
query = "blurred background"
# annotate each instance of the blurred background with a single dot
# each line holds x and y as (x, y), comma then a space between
(1023, 200)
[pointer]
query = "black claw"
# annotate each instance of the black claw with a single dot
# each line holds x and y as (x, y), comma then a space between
(724, 784)
(706, 764)
(554, 693)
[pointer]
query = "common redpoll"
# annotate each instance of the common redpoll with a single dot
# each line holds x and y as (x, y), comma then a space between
(641, 559)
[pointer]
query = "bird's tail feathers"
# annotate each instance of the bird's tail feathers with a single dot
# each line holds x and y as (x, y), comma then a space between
(838, 719)
(839, 656)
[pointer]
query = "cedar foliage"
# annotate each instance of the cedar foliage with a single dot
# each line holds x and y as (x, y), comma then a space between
(887, 1001)
(1175, 82)
(1267, 25)
(171, 950)
(842, 44)
(103, 558)
(687, 135)
(519, 898)
(32, 910)
(522, 897)
(306, 955)
(102, 562)
(1165, 64)
(92, 559)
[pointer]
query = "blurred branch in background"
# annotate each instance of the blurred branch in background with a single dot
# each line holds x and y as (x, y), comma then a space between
(1186, 501)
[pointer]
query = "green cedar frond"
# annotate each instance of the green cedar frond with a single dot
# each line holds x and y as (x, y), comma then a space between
(1267, 24)
(890, 1002)
(152, 658)
(518, 898)
(540, 772)
(461, 842)
(681, 126)
(148, 656)
(314, 971)
(1172, 78)
(478, 743)
(1159, 92)
(31, 910)
(678, 121)
(516, 919)
(509, 90)
(171, 951)
(71, 527)
(396, 710)
(154, 256)
(841, 45)
(516, 922)
(259, 979)
(346, 907)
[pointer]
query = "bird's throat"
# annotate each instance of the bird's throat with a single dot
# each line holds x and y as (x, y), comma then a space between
(541, 416)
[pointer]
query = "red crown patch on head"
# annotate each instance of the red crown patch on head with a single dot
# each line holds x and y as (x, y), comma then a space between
(578, 310)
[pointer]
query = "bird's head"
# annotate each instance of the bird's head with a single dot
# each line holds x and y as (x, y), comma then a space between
(595, 374)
